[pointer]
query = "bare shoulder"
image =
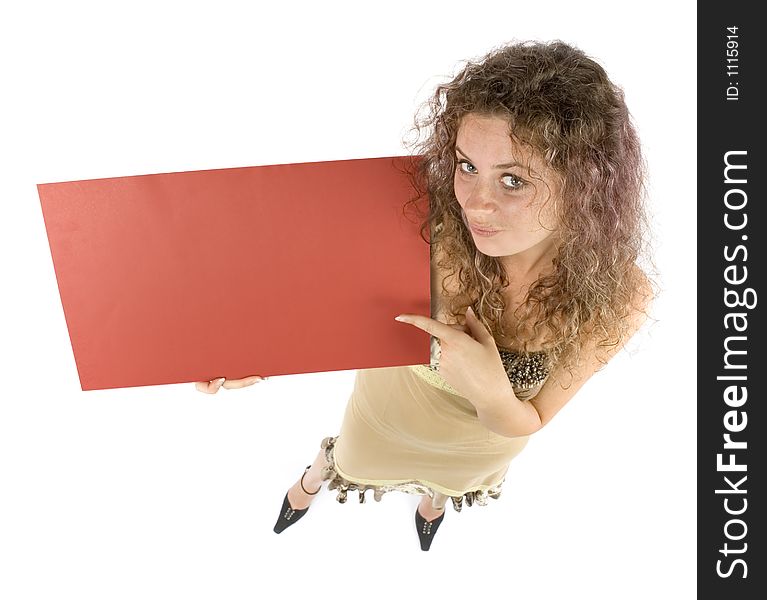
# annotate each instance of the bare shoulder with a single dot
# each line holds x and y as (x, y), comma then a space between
(641, 300)
(636, 313)
(554, 395)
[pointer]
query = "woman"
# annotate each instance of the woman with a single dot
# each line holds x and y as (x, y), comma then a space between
(534, 176)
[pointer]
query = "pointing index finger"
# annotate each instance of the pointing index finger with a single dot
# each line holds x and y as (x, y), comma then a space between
(436, 328)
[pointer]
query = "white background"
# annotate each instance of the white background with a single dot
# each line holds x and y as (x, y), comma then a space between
(164, 492)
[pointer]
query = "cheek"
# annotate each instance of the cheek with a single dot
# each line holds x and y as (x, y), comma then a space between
(460, 190)
(532, 213)
(518, 214)
(546, 216)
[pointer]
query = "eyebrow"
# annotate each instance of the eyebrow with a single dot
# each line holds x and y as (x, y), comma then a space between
(502, 166)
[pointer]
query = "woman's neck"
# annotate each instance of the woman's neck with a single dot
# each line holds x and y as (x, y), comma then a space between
(532, 263)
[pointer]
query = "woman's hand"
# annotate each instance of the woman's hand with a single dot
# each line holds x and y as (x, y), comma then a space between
(211, 387)
(469, 359)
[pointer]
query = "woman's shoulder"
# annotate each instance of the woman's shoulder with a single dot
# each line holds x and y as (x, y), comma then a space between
(641, 296)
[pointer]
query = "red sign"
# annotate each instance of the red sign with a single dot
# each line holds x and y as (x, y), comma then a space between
(267, 270)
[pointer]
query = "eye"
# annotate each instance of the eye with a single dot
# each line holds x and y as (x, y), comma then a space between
(466, 163)
(510, 182)
(514, 182)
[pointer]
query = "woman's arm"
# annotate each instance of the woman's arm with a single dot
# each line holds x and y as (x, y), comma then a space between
(470, 363)
(506, 415)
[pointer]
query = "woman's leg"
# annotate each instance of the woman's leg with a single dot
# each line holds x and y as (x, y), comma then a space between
(312, 482)
(431, 508)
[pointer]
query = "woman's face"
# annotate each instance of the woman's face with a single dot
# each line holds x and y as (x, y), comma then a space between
(506, 191)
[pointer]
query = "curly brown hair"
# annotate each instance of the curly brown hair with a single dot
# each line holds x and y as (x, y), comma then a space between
(562, 104)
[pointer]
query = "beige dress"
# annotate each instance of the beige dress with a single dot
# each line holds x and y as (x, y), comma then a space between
(405, 429)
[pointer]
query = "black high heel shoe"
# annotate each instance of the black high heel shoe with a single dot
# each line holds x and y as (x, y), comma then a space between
(427, 529)
(288, 514)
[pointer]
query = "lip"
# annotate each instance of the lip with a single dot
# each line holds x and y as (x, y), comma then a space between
(485, 232)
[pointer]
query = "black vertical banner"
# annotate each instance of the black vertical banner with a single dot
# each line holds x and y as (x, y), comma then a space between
(731, 299)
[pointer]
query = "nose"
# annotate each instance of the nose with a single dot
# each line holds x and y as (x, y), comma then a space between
(480, 200)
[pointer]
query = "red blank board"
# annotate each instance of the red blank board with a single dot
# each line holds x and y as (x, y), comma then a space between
(268, 270)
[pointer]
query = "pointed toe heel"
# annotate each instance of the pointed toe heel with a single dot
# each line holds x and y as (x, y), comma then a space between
(288, 514)
(427, 529)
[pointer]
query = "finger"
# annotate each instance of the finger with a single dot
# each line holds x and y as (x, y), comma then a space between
(439, 330)
(210, 387)
(233, 384)
(460, 327)
(477, 328)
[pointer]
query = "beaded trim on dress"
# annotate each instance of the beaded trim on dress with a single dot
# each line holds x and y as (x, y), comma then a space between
(524, 370)
(343, 485)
